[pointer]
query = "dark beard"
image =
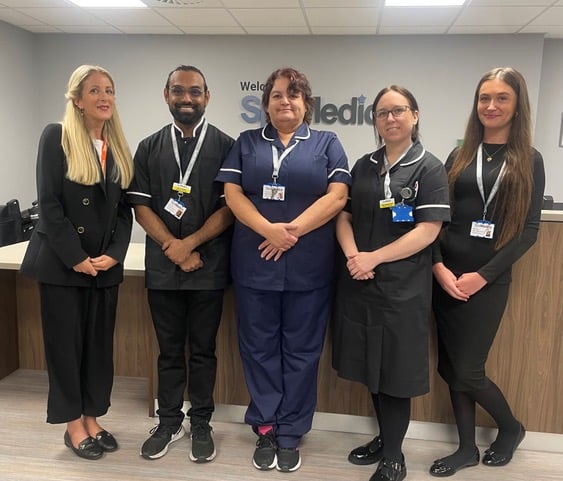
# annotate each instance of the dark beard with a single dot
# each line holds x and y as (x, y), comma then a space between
(187, 118)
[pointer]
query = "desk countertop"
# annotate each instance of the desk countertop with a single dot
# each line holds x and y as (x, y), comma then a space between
(11, 258)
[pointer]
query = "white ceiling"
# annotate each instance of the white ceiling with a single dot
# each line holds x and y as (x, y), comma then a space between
(288, 17)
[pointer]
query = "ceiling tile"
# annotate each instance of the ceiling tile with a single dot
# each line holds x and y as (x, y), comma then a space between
(297, 30)
(418, 16)
(482, 29)
(342, 17)
(198, 17)
(339, 3)
(253, 4)
(413, 30)
(17, 18)
(497, 15)
(61, 16)
(129, 16)
(368, 30)
(553, 16)
(213, 30)
(258, 17)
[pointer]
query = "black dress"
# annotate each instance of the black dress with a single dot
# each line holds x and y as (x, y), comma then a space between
(380, 326)
(466, 330)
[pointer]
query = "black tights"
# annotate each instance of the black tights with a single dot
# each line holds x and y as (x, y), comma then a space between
(393, 415)
(494, 402)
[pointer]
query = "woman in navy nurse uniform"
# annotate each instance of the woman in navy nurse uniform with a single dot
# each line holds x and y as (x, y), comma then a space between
(284, 183)
(398, 201)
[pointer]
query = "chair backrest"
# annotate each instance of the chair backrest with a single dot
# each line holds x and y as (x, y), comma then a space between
(10, 223)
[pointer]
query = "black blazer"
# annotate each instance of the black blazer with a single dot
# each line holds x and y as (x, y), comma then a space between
(76, 221)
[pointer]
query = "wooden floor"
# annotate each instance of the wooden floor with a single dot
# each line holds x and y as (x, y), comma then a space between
(31, 450)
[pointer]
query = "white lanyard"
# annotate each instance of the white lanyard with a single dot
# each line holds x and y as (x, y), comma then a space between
(277, 160)
(184, 178)
(387, 180)
(479, 176)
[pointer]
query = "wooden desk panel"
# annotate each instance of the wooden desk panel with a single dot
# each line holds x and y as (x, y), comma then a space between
(526, 360)
(8, 324)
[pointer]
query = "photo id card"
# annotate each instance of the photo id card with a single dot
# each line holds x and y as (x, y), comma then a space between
(273, 192)
(402, 213)
(175, 207)
(482, 228)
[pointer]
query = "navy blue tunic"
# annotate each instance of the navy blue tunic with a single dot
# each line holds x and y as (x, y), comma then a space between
(306, 172)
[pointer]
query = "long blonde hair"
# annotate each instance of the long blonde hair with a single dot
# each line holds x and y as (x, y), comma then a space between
(515, 191)
(81, 159)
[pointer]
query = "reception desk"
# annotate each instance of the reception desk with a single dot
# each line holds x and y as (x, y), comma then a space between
(526, 359)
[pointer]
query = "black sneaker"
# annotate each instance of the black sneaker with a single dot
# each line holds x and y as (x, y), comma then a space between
(265, 453)
(203, 448)
(289, 460)
(161, 437)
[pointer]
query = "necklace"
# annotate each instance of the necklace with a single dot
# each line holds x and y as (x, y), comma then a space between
(489, 157)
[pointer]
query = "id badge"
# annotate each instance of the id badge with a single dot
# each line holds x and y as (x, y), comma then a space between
(402, 213)
(482, 228)
(386, 203)
(273, 192)
(175, 207)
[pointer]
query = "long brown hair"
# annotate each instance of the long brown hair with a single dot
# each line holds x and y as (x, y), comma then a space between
(515, 191)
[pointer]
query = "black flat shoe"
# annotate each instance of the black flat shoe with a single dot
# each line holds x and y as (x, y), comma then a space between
(443, 469)
(494, 458)
(389, 471)
(106, 441)
(369, 453)
(87, 449)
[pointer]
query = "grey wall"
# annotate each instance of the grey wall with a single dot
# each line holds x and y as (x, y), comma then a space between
(549, 123)
(19, 108)
(442, 72)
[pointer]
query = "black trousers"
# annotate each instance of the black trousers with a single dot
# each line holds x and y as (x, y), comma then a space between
(181, 316)
(78, 326)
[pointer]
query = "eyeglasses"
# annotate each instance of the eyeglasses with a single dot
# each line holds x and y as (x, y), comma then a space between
(396, 112)
(178, 91)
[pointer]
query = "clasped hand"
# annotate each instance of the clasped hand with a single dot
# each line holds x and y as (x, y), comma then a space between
(181, 253)
(92, 265)
(280, 238)
(361, 266)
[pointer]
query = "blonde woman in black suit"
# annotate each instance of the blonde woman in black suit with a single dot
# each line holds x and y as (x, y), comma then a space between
(76, 254)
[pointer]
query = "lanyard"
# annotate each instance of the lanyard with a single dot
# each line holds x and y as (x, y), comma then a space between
(184, 178)
(387, 180)
(277, 160)
(479, 176)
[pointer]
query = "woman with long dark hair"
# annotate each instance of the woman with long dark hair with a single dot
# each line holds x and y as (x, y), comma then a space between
(496, 183)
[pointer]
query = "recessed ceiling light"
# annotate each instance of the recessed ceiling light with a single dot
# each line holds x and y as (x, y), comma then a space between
(109, 3)
(424, 3)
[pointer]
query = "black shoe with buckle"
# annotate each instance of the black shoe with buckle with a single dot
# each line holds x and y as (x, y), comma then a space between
(494, 458)
(106, 441)
(369, 453)
(390, 471)
(87, 448)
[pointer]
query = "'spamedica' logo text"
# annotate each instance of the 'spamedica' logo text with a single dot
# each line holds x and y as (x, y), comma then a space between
(356, 112)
